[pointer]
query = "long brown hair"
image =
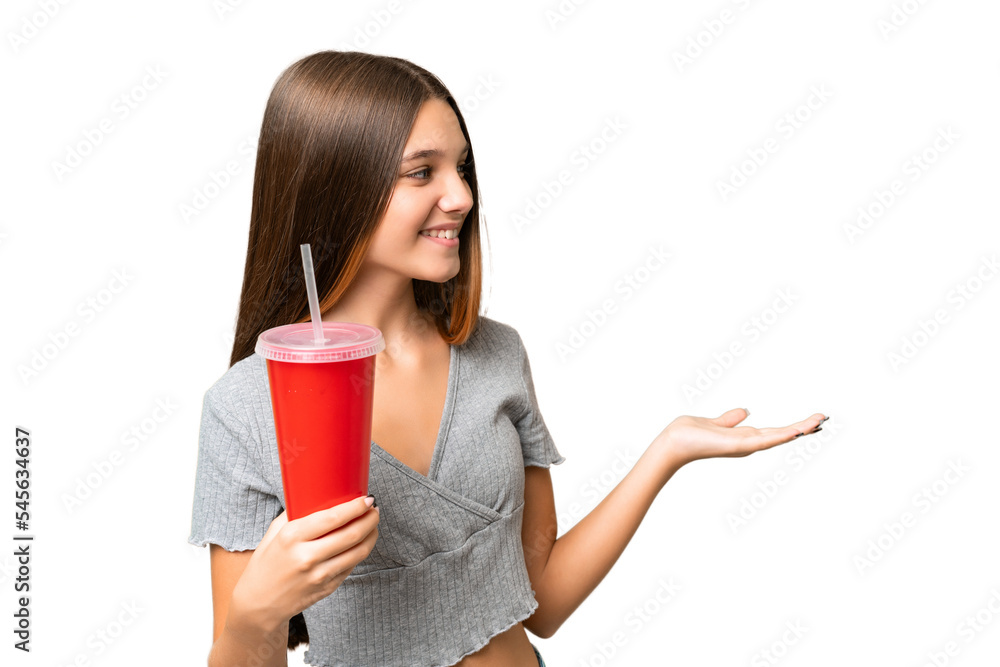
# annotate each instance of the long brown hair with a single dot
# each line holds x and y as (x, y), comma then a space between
(331, 141)
(330, 145)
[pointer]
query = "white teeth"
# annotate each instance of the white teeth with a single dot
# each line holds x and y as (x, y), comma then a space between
(441, 233)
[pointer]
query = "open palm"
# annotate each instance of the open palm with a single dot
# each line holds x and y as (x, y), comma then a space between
(690, 438)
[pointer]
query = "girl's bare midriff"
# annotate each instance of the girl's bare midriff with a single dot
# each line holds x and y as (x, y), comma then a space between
(510, 648)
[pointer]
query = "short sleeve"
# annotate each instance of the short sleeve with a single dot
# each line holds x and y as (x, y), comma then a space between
(537, 446)
(233, 503)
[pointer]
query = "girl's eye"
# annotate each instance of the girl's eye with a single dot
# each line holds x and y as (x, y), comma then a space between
(424, 173)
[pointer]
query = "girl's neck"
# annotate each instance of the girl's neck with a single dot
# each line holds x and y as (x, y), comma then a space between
(391, 307)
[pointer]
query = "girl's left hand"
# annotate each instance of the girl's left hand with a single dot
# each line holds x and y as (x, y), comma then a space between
(689, 438)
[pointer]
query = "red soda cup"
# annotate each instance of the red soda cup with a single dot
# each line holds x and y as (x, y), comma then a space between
(321, 397)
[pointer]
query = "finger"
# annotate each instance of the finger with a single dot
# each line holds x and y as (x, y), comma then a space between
(748, 439)
(765, 438)
(323, 521)
(774, 435)
(809, 423)
(276, 525)
(731, 418)
(347, 559)
(347, 536)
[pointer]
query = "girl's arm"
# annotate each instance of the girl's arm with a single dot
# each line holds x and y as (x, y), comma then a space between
(564, 571)
(230, 647)
(296, 564)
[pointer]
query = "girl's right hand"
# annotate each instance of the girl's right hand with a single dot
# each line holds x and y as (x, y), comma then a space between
(298, 563)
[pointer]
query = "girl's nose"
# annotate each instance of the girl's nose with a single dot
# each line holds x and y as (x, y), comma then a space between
(457, 195)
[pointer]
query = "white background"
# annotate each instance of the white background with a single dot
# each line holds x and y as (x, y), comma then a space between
(554, 85)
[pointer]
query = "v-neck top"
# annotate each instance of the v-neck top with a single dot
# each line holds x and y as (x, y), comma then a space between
(447, 572)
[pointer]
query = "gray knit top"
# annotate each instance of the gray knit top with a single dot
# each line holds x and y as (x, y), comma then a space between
(447, 572)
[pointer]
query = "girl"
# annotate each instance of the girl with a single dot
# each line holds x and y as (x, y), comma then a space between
(368, 159)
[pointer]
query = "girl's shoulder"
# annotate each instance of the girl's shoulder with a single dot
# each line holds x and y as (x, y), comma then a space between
(241, 388)
(493, 336)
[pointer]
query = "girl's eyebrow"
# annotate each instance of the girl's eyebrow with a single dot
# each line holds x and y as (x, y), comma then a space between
(429, 153)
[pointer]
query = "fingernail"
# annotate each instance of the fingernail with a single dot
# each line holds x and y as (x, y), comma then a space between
(370, 501)
(746, 411)
(824, 419)
(798, 436)
(817, 430)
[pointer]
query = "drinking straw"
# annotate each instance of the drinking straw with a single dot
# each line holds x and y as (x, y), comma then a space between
(317, 318)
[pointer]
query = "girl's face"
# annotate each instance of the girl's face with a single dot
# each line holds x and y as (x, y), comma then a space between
(431, 193)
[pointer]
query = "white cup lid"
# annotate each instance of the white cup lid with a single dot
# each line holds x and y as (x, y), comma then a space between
(342, 341)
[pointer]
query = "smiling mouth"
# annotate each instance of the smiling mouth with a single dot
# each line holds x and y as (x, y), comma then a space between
(441, 233)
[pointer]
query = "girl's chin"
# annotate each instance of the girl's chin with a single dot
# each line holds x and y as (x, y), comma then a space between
(442, 276)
